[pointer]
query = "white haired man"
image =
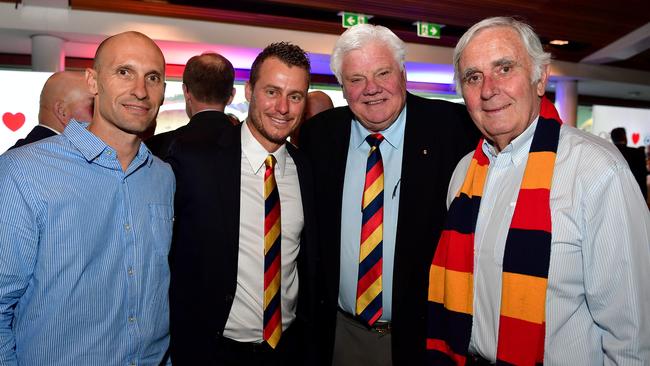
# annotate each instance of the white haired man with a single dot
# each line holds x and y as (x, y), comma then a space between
(545, 255)
(377, 257)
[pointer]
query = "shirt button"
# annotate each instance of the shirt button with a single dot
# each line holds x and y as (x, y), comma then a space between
(131, 319)
(130, 271)
(127, 227)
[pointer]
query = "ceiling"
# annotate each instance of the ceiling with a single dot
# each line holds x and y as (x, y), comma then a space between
(603, 33)
(588, 25)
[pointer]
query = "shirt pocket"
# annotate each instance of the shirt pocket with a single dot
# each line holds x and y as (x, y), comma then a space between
(162, 224)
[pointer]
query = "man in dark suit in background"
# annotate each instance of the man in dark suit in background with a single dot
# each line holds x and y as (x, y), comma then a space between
(381, 312)
(226, 303)
(635, 158)
(65, 95)
(207, 88)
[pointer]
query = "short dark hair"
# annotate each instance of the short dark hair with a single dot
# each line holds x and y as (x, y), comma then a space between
(209, 77)
(286, 52)
(618, 135)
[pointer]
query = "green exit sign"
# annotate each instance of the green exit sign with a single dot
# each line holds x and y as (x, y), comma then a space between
(351, 19)
(428, 30)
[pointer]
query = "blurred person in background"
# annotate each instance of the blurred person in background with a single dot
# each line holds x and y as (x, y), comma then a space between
(207, 88)
(65, 96)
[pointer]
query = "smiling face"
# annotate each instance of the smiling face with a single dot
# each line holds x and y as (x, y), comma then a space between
(495, 72)
(373, 85)
(128, 83)
(277, 101)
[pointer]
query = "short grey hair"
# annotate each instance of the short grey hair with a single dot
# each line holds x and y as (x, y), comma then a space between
(530, 40)
(361, 35)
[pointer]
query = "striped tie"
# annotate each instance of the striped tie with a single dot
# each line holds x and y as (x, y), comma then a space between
(272, 264)
(369, 306)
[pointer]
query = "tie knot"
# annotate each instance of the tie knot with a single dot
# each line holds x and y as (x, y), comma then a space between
(270, 161)
(374, 139)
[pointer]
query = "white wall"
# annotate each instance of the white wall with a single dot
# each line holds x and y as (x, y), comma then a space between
(635, 120)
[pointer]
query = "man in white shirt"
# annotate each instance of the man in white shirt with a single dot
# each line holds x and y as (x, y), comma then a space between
(546, 253)
(240, 256)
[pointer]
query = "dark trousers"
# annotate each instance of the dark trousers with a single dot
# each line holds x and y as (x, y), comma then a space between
(356, 345)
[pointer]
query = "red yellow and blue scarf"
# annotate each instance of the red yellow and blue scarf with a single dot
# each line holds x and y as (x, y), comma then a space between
(525, 261)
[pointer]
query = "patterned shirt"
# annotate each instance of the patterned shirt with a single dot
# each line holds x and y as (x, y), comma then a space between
(83, 254)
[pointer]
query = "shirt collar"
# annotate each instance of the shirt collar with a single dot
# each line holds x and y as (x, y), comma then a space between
(91, 146)
(517, 149)
(50, 128)
(394, 134)
(206, 110)
(255, 153)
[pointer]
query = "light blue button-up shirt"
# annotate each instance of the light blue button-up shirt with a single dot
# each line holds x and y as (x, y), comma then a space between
(355, 174)
(83, 254)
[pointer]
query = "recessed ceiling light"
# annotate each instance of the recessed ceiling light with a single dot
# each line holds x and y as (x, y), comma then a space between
(559, 42)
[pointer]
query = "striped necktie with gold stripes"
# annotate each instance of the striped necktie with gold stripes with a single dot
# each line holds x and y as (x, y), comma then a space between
(272, 265)
(369, 288)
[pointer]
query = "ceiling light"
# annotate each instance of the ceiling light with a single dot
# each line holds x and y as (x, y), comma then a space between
(559, 42)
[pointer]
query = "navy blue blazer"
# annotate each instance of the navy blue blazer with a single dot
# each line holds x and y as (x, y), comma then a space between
(437, 135)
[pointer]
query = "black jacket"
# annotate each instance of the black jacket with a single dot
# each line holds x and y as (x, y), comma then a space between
(437, 135)
(204, 252)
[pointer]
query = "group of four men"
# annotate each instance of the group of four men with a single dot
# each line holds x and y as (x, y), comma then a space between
(324, 254)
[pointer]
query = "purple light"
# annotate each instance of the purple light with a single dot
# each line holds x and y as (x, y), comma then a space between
(242, 59)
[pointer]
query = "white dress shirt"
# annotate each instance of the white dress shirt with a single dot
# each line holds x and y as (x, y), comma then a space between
(50, 128)
(598, 296)
(246, 315)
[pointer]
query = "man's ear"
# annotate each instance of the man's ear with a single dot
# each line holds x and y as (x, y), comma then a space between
(186, 94)
(543, 80)
(162, 99)
(248, 90)
(59, 112)
(91, 80)
(232, 96)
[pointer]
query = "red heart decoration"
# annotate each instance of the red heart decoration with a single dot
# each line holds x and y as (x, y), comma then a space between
(13, 121)
(635, 137)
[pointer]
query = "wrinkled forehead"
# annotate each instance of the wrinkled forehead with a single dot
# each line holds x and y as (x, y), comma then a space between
(492, 45)
(372, 55)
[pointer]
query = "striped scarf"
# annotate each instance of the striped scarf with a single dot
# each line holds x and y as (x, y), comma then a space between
(525, 261)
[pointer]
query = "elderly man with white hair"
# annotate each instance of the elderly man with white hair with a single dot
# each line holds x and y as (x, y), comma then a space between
(545, 255)
(381, 165)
